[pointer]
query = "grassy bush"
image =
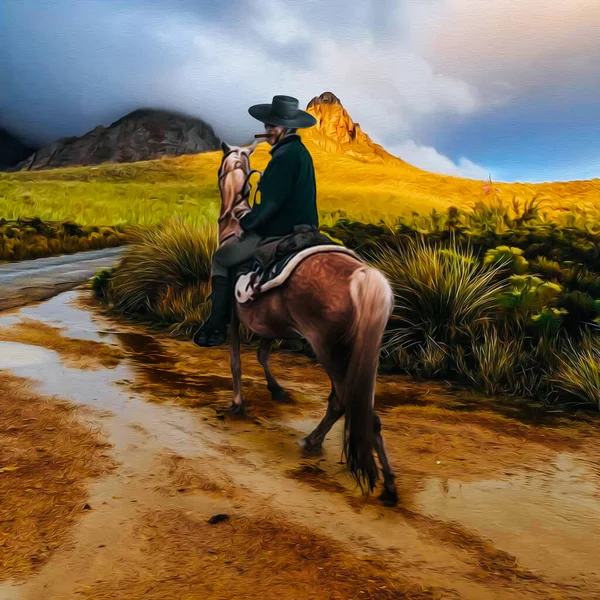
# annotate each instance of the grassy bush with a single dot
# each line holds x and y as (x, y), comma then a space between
(487, 317)
(163, 277)
(33, 238)
(441, 296)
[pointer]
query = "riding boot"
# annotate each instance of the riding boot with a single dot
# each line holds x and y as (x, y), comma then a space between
(214, 330)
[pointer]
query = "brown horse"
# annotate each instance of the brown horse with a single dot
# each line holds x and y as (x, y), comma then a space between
(340, 306)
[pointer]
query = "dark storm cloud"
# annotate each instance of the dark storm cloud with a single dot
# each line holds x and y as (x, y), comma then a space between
(72, 64)
(414, 73)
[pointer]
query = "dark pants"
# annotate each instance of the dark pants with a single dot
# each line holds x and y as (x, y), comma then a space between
(233, 253)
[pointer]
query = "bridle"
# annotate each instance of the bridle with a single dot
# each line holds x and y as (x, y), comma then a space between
(246, 190)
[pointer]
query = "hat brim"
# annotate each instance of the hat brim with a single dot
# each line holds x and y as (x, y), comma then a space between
(301, 120)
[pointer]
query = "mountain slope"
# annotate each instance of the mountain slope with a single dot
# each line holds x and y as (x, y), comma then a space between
(353, 174)
(141, 135)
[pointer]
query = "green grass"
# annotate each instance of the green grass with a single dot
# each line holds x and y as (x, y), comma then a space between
(458, 316)
(148, 192)
(493, 281)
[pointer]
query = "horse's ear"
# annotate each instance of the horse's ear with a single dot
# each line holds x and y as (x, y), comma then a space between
(225, 147)
(252, 148)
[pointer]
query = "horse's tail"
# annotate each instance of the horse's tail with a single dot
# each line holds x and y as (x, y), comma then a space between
(373, 302)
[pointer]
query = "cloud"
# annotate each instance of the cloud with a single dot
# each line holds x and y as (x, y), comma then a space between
(511, 48)
(109, 57)
(429, 159)
(404, 69)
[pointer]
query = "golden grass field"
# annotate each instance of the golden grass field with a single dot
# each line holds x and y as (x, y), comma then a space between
(147, 193)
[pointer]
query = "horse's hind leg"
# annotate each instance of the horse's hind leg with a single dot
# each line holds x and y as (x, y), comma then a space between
(235, 359)
(264, 350)
(314, 440)
(389, 496)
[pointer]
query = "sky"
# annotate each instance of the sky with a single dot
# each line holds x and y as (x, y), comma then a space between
(506, 89)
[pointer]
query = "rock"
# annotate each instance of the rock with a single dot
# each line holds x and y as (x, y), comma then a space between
(218, 518)
(144, 134)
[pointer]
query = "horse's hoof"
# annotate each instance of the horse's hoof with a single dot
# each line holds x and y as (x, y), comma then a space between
(389, 497)
(309, 448)
(279, 395)
(238, 409)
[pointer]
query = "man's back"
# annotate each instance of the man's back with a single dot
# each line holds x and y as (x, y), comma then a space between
(288, 194)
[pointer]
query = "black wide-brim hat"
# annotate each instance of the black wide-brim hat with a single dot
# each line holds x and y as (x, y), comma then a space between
(283, 111)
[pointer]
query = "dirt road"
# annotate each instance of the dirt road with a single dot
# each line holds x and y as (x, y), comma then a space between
(498, 501)
(26, 281)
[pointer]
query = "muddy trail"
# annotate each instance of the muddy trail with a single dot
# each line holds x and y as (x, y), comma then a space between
(123, 476)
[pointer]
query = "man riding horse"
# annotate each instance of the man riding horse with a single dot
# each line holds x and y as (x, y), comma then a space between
(305, 286)
(288, 199)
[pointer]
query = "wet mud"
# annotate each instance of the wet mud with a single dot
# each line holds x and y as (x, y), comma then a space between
(497, 499)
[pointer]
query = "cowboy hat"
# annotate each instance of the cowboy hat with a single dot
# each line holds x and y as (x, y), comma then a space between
(282, 111)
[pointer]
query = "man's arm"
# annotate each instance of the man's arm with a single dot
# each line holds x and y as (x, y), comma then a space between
(275, 187)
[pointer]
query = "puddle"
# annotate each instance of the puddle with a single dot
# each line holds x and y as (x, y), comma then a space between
(99, 389)
(60, 312)
(8, 320)
(156, 366)
(16, 356)
(551, 521)
(144, 347)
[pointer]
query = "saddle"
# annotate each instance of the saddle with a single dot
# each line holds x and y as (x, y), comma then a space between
(275, 259)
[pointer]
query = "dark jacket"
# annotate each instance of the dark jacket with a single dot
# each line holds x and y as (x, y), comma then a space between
(288, 195)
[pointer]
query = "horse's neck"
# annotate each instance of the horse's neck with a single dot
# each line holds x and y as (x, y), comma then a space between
(230, 225)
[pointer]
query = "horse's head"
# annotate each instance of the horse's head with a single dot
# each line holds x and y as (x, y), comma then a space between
(234, 187)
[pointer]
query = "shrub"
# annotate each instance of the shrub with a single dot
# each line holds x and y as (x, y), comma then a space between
(511, 257)
(580, 311)
(32, 238)
(165, 262)
(578, 372)
(441, 296)
(497, 362)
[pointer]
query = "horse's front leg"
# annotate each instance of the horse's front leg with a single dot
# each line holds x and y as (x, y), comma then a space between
(264, 350)
(235, 360)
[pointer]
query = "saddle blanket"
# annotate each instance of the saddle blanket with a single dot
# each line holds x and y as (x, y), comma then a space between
(250, 284)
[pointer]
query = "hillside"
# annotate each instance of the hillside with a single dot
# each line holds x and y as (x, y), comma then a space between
(143, 134)
(354, 175)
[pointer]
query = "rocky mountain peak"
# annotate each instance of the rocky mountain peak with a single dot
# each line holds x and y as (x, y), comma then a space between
(335, 131)
(143, 134)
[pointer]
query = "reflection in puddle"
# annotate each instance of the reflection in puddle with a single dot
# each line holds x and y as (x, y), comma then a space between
(550, 520)
(156, 366)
